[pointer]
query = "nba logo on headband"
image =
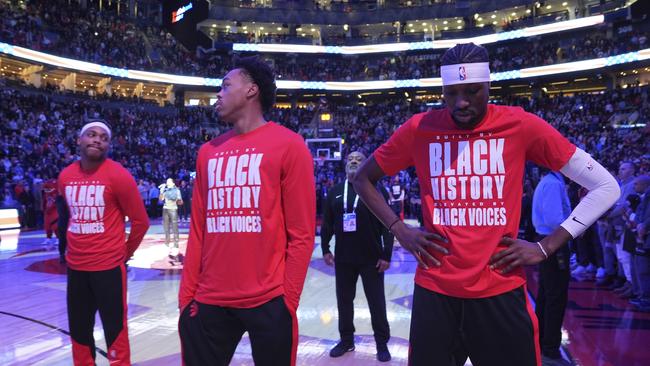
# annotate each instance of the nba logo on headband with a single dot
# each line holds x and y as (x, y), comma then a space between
(465, 73)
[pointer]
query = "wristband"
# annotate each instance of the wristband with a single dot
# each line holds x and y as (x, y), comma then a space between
(391, 225)
(542, 249)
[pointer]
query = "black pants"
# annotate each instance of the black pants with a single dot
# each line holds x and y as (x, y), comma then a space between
(185, 210)
(589, 249)
(89, 292)
(153, 208)
(373, 286)
(210, 334)
(552, 297)
(499, 330)
(62, 234)
(62, 224)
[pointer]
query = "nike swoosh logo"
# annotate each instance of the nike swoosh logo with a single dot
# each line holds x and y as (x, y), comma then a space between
(340, 195)
(578, 221)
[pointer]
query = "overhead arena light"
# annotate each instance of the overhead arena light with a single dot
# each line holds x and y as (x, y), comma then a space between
(436, 44)
(320, 85)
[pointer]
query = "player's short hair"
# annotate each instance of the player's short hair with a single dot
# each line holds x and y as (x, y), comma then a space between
(464, 53)
(261, 74)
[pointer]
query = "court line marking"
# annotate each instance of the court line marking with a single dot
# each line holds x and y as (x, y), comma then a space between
(99, 350)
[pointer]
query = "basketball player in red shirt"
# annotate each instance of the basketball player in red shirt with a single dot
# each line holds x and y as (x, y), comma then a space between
(252, 230)
(470, 297)
(51, 216)
(99, 194)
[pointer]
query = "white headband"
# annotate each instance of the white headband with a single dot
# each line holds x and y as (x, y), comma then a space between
(477, 72)
(101, 125)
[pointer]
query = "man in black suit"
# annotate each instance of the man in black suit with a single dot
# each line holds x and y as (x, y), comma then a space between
(363, 248)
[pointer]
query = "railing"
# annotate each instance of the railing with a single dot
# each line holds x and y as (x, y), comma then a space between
(362, 6)
(424, 45)
(304, 12)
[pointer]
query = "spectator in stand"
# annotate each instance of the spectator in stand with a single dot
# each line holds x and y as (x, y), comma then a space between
(27, 200)
(626, 174)
(143, 189)
(396, 196)
(589, 252)
(154, 193)
(186, 196)
(642, 252)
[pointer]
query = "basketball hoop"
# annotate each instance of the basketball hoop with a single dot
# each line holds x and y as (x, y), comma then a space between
(321, 161)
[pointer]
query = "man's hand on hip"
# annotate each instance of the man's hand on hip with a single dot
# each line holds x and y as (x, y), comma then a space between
(519, 253)
(420, 243)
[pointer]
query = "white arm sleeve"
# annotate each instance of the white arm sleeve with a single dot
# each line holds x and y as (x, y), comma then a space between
(603, 191)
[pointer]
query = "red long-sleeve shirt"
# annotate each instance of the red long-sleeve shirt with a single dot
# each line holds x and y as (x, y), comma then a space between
(471, 189)
(98, 202)
(253, 220)
(49, 196)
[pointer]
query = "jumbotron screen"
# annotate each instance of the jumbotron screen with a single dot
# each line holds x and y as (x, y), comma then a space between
(180, 18)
